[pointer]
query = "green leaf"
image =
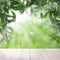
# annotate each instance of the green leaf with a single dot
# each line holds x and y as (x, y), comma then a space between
(13, 17)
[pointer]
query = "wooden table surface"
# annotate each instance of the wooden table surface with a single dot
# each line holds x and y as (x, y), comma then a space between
(29, 54)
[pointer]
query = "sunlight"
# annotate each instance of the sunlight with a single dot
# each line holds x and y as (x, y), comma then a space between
(20, 18)
(24, 20)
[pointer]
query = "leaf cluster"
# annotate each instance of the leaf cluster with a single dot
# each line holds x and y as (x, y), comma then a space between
(50, 8)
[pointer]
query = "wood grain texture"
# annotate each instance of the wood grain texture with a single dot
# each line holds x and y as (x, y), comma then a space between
(29, 54)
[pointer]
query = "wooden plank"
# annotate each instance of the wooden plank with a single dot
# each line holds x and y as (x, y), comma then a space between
(34, 55)
(29, 54)
(10, 54)
(25, 55)
(53, 54)
(38, 54)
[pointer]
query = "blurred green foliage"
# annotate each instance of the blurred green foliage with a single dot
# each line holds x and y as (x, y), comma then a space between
(46, 34)
(35, 33)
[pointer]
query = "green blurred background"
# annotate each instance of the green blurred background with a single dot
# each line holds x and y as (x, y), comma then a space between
(32, 32)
